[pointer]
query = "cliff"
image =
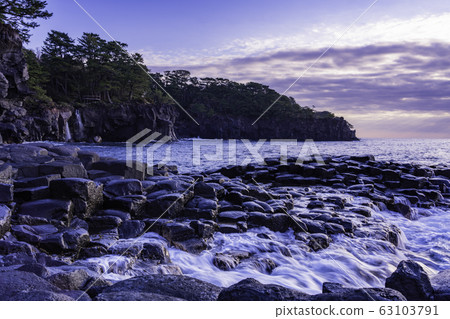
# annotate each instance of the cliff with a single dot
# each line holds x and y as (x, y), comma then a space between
(118, 122)
(228, 127)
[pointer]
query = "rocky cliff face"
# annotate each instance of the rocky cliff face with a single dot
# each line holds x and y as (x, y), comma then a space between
(226, 127)
(13, 68)
(119, 123)
(111, 123)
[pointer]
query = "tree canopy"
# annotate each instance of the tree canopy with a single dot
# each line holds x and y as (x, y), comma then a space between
(21, 15)
(91, 68)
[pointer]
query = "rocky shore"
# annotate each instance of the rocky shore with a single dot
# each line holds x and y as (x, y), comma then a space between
(62, 209)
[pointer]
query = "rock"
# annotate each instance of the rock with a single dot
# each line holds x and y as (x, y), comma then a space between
(229, 260)
(208, 190)
(319, 241)
(119, 167)
(315, 204)
(92, 251)
(39, 295)
(35, 268)
(26, 233)
(403, 206)
(123, 187)
(21, 281)
(54, 243)
(177, 232)
(31, 194)
(203, 229)
(362, 158)
(225, 261)
(182, 287)
(441, 285)
(6, 173)
(10, 247)
(66, 170)
(228, 228)
(199, 207)
(257, 219)
(411, 280)
(390, 175)
(170, 205)
(76, 238)
(193, 245)
(116, 213)
(232, 216)
(131, 228)
(364, 211)
(134, 204)
(35, 181)
(70, 280)
(13, 66)
(48, 208)
(6, 193)
(314, 226)
(280, 222)
(98, 224)
(4, 85)
(252, 290)
(333, 228)
(87, 158)
(5, 219)
(155, 251)
(134, 296)
(336, 292)
(85, 190)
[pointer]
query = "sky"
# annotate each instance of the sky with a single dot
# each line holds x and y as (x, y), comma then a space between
(383, 65)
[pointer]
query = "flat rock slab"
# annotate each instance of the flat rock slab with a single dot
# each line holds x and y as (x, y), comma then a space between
(252, 290)
(48, 208)
(182, 287)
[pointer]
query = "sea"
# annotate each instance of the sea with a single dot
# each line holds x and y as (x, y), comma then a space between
(355, 262)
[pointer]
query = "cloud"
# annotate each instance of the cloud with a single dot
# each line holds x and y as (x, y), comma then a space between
(383, 76)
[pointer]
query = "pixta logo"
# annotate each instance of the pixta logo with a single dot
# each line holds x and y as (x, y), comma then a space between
(141, 150)
(145, 151)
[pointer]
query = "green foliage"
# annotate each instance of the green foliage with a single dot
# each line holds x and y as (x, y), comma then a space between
(211, 96)
(91, 68)
(21, 15)
(38, 77)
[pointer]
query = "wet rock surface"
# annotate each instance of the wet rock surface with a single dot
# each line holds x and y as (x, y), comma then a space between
(69, 217)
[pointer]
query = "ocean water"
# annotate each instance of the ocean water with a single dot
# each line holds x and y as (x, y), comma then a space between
(194, 155)
(358, 262)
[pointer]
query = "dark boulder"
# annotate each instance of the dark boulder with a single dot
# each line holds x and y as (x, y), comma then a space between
(177, 232)
(21, 281)
(123, 187)
(48, 208)
(252, 290)
(86, 193)
(441, 285)
(5, 219)
(6, 193)
(134, 296)
(411, 280)
(182, 287)
(336, 292)
(131, 229)
(75, 279)
(119, 167)
(65, 169)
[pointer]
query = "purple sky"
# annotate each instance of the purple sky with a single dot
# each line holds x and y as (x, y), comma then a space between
(389, 75)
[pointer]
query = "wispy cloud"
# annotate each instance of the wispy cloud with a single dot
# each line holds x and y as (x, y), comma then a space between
(393, 70)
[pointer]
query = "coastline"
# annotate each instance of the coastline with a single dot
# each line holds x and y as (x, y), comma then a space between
(62, 206)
